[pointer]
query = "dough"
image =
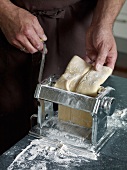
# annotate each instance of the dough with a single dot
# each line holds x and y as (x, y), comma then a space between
(81, 118)
(75, 70)
(64, 113)
(90, 83)
(80, 77)
(75, 116)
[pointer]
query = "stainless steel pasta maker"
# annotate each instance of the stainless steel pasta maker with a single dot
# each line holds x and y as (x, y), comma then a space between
(48, 125)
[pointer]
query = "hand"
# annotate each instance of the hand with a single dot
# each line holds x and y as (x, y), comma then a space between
(100, 47)
(23, 30)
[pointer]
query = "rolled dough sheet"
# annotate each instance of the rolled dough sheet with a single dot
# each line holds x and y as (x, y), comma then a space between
(81, 118)
(75, 70)
(90, 83)
(64, 113)
(75, 116)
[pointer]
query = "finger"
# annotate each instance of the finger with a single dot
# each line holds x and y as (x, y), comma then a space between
(92, 57)
(91, 53)
(27, 45)
(19, 46)
(88, 60)
(35, 40)
(101, 58)
(39, 31)
(111, 60)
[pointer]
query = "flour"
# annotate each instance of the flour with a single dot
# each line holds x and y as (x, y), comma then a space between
(118, 119)
(46, 154)
(67, 132)
(52, 149)
(40, 153)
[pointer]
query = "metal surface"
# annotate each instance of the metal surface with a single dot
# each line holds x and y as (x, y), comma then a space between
(70, 99)
(46, 91)
(42, 63)
(40, 116)
(99, 107)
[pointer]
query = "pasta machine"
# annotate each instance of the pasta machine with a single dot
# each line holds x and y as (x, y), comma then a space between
(48, 125)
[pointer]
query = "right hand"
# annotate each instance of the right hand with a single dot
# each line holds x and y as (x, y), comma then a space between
(23, 30)
(101, 46)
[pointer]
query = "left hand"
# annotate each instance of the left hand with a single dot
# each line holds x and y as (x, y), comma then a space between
(100, 47)
(22, 30)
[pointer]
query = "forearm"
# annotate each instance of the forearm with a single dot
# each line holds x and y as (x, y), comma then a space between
(106, 12)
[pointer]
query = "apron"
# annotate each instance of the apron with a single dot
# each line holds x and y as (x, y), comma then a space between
(65, 23)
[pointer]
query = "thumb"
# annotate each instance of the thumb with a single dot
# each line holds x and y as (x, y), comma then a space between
(101, 58)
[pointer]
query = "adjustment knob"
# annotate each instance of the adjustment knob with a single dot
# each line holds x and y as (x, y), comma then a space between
(108, 104)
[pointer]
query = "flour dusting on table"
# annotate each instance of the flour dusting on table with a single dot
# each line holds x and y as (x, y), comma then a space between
(118, 119)
(39, 154)
(43, 154)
